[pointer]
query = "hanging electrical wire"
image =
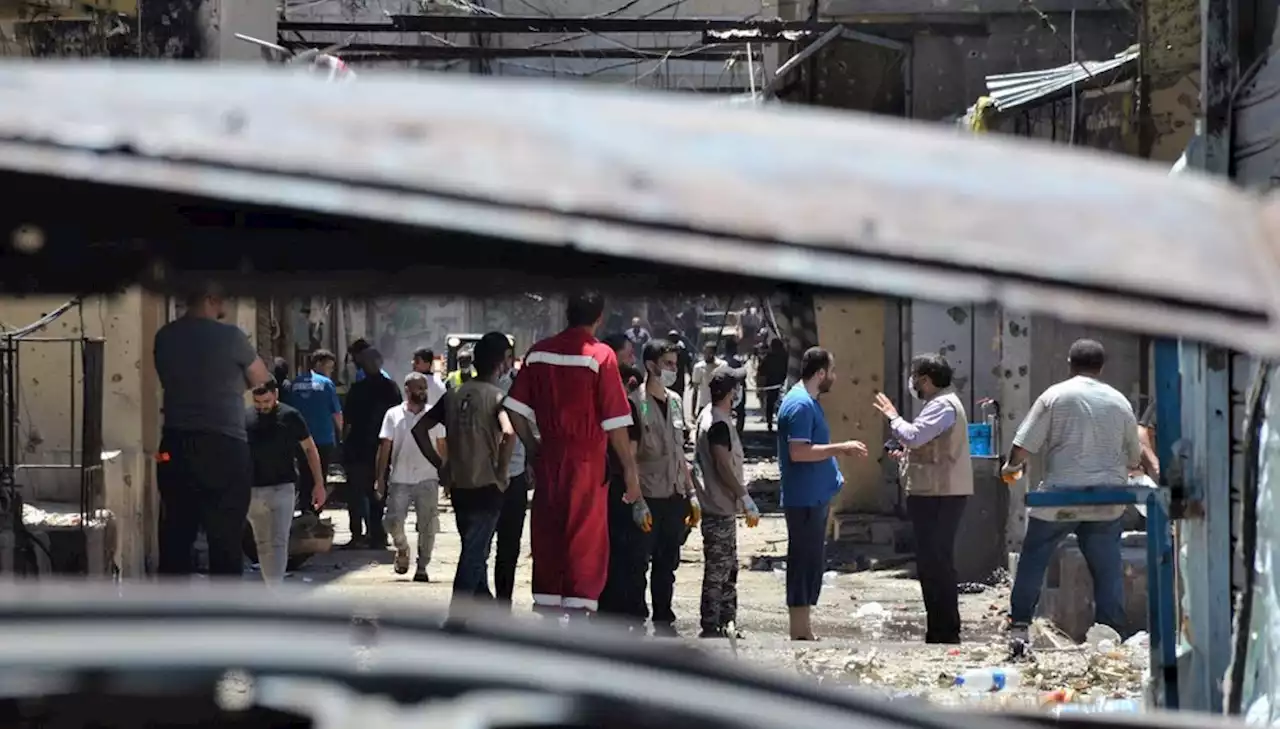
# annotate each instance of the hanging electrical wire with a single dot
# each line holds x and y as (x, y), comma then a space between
(42, 322)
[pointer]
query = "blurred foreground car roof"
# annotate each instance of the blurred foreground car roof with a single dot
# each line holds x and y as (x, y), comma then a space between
(156, 172)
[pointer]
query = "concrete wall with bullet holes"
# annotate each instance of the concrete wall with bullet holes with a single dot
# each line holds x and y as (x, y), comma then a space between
(49, 429)
(1004, 356)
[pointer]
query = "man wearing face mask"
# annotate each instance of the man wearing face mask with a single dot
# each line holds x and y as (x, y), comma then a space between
(623, 596)
(938, 478)
(670, 503)
(810, 480)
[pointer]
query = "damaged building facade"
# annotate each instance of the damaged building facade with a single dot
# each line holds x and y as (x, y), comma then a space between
(923, 59)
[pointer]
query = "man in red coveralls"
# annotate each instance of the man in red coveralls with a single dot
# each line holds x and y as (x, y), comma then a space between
(570, 389)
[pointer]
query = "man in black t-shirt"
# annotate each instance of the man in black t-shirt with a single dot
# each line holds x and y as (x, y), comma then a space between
(368, 401)
(276, 431)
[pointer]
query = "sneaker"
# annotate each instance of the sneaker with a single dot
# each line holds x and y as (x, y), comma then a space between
(402, 561)
(421, 576)
(1019, 641)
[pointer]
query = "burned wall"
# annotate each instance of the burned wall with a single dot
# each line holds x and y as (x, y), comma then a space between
(861, 76)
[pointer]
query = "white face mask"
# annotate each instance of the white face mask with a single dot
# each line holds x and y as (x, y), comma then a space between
(668, 378)
(915, 394)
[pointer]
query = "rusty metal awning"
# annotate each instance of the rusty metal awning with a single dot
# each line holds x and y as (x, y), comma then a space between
(834, 200)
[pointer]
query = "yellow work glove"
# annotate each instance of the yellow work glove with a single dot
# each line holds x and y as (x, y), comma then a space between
(641, 515)
(694, 517)
(752, 511)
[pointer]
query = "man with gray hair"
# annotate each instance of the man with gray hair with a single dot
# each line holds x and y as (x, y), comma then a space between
(413, 478)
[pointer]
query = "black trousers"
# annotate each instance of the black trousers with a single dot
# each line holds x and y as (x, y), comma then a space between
(935, 520)
(363, 504)
(515, 503)
(664, 553)
(306, 479)
(771, 405)
(623, 596)
(204, 481)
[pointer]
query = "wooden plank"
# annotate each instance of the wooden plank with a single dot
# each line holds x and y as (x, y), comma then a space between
(852, 329)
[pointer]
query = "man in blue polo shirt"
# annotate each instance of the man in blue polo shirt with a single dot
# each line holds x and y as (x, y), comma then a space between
(810, 479)
(314, 395)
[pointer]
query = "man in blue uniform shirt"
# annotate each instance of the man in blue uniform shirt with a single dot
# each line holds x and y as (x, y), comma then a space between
(810, 479)
(314, 395)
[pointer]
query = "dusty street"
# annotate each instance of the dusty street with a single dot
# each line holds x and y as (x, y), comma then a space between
(871, 622)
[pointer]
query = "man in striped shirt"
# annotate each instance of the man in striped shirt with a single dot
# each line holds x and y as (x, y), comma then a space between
(570, 388)
(1087, 435)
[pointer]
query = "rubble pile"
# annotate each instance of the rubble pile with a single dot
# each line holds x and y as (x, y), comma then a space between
(1104, 674)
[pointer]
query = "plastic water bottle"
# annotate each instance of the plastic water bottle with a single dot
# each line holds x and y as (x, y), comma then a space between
(988, 679)
(1121, 706)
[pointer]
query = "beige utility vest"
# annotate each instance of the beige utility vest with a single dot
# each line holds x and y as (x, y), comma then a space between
(660, 453)
(941, 467)
(718, 497)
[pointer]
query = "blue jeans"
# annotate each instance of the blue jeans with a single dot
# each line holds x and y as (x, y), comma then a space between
(1099, 542)
(477, 511)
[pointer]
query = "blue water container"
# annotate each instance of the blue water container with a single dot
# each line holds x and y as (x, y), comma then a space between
(980, 445)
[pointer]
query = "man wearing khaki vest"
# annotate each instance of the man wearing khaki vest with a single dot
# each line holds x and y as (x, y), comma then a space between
(670, 503)
(479, 441)
(938, 477)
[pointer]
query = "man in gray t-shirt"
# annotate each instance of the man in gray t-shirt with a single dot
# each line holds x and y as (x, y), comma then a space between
(1087, 435)
(204, 472)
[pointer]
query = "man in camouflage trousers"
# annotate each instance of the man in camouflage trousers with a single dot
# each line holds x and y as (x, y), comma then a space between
(723, 490)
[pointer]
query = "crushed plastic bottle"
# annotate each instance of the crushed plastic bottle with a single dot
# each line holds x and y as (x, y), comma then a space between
(1099, 633)
(1121, 706)
(829, 578)
(989, 679)
(871, 610)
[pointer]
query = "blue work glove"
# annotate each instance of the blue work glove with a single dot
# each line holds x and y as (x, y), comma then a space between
(641, 515)
(752, 511)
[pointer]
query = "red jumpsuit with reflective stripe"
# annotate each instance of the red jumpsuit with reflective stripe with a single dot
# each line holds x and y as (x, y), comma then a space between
(570, 387)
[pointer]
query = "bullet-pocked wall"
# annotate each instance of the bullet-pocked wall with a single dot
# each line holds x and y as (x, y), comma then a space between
(949, 71)
(49, 431)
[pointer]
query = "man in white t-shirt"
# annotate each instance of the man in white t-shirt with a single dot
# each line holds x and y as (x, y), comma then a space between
(704, 370)
(1087, 435)
(413, 478)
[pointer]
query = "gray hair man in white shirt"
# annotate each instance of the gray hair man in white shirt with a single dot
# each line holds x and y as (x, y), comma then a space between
(1087, 435)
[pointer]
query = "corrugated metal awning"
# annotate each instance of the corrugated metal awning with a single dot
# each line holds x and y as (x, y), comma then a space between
(1012, 90)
